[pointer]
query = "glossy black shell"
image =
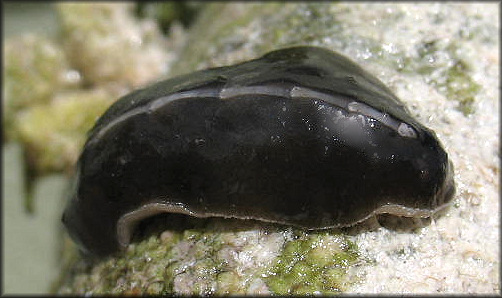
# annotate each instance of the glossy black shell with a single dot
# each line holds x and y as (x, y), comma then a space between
(300, 136)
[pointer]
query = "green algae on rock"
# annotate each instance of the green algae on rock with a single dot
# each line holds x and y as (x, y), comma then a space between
(35, 69)
(214, 260)
(55, 133)
(41, 73)
(315, 263)
(443, 64)
(109, 46)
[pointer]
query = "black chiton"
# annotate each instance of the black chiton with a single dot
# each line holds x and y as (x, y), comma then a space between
(301, 136)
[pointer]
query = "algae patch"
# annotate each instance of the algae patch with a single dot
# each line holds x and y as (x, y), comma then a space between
(461, 87)
(35, 69)
(55, 132)
(109, 46)
(222, 257)
(444, 66)
(313, 264)
(103, 51)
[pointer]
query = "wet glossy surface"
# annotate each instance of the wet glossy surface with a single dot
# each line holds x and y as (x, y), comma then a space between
(301, 136)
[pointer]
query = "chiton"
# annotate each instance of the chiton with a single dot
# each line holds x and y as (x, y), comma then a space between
(301, 136)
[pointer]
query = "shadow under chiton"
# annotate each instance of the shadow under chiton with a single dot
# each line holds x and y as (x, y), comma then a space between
(301, 136)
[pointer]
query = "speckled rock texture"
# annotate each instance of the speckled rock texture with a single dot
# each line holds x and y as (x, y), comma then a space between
(442, 60)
